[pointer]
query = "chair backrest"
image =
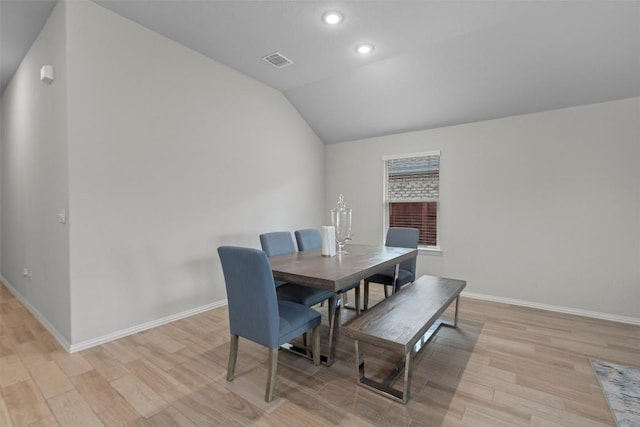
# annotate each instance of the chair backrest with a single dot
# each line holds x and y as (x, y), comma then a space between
(251, 295)
(309, 238)
(277, 243)
(401, 237)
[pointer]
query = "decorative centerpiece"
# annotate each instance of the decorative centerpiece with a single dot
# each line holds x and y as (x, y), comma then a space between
(341, 220)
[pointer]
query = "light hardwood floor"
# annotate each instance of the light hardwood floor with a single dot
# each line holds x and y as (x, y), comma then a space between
(503, 366)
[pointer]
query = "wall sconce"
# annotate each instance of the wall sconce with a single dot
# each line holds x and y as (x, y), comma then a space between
(46, 74)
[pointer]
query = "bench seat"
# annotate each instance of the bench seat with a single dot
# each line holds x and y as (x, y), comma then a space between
(402, 324)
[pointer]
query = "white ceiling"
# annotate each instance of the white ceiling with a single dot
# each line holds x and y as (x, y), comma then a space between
(435, 63)
(20, 23)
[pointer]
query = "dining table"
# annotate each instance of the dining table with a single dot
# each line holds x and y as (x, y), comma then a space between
(334, 273)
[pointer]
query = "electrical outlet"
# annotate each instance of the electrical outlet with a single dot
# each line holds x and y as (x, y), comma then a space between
(26, 273)
(62, 216)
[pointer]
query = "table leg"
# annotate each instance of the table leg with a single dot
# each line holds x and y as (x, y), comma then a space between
(455, 319)
(345, 300)
(395, 280)
(334, 321)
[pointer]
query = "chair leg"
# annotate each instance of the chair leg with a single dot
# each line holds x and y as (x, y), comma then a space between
(386, 291)
(315, 346)
(233, 356)
(271, 380)
(365, 303)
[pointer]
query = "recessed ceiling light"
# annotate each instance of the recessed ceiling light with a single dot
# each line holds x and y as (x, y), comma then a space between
(364, 48)
(332, 18)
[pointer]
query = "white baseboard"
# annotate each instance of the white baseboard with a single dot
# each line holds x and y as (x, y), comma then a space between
(72, 348)
(48, 326)
(559, 309)
(143, 327)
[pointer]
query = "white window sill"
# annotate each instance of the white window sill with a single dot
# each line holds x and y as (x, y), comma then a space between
(429, 250)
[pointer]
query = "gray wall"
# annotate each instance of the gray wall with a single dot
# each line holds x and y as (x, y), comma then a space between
(541, 208)
(159, 155)
(170, 155)
(34, 180)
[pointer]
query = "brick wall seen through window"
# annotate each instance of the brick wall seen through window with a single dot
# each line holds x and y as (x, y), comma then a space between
(413, 191)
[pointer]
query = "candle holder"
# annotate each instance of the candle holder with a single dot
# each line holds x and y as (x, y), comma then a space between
(341, 220)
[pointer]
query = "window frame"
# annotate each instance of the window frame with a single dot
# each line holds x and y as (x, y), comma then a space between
(437, 249)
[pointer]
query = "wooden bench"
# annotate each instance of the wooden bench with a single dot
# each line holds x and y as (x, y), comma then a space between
(403, 323)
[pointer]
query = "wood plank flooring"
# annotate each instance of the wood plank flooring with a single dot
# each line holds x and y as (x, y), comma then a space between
(504, 366)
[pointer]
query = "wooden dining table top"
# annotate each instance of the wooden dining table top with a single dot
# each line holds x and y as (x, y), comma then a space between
(311, 268)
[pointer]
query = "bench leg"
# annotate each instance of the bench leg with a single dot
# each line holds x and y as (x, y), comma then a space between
(359, 363)
(385, 388)
(407, 377)
(455, 316)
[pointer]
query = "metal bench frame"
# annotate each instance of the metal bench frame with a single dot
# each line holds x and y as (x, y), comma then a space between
(404, 366)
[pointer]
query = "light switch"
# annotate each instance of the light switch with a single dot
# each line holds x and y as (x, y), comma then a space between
(62, 216)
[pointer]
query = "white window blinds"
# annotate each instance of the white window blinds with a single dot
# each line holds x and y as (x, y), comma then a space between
(413, 192)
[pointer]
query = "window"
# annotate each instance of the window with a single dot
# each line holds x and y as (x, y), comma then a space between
(412, 192)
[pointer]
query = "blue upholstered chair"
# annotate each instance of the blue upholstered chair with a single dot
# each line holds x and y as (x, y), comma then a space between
(280, 243)
(277, 243)
(398, 237)
(310, 238)
(255, 312)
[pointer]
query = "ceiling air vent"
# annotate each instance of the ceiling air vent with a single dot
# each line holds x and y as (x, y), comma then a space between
(278, 60)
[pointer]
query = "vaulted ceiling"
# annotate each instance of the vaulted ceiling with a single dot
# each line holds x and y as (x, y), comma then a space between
(434, 63)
